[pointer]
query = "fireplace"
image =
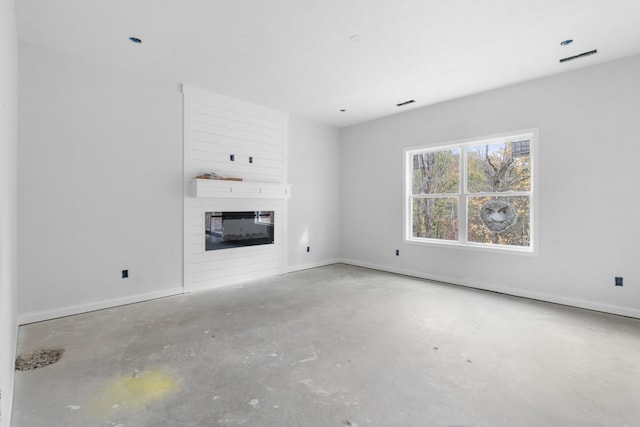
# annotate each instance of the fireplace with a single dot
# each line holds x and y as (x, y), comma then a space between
(224, 230)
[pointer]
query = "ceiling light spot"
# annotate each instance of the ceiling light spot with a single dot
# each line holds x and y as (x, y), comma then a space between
(566, 42)
(355, 38)
(135, 40)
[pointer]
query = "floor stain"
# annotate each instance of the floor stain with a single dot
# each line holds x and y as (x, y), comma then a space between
(134, 391)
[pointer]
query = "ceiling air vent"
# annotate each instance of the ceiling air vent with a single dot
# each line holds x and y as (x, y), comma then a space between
(402, 104)
(580, 55)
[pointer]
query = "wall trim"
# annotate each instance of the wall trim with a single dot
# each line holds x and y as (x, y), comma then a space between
(236, 279)
(39, 316)
(308, 266)
(6, 418)
(571, 302)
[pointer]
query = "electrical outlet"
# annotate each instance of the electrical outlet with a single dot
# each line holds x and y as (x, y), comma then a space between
(125, 274)
(397, 252)
(618, 281)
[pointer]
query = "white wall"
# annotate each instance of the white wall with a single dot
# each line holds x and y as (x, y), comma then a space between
(314, 207)
(8, 203)
(100, 185)
(588, 209)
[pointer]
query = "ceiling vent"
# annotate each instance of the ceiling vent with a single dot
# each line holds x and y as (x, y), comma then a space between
(402, 104)
(581, 55)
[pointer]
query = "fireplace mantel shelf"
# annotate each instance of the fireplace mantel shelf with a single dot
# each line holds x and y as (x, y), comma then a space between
(211, 188)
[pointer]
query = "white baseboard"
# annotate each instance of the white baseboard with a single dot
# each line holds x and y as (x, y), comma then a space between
(572, 302)
(300, 267)
(234, 279)
(38, 316)
(5, 420)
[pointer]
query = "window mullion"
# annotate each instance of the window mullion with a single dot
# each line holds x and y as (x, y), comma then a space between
(462, 197)
(501, 194)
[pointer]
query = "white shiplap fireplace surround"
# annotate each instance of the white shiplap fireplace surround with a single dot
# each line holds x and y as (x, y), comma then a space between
(235, 139)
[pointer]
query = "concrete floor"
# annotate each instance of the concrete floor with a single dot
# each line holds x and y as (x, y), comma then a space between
(334, 346)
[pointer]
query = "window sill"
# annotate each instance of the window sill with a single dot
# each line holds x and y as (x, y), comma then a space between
(506, 250)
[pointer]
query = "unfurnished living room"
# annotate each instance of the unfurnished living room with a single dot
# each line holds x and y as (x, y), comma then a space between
(314, 213)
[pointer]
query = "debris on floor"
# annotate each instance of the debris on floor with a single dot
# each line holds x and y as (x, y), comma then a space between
(38, 358)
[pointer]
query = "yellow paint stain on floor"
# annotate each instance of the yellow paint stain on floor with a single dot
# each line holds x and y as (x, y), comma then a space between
(134, 391)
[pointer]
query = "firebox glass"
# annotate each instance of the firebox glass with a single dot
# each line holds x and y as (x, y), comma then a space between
(224, 230)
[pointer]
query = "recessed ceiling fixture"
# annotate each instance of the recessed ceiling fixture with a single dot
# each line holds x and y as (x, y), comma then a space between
(402, 104)
(580, 55)
(355, 38)
(135, 40)
(566, 42)
(342, 110)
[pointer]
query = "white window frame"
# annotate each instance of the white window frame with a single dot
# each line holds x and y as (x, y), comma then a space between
(463, 195)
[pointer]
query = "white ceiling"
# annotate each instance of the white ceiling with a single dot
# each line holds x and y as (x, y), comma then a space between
(298, 55)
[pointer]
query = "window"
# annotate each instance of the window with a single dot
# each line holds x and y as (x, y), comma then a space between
(475, 193)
